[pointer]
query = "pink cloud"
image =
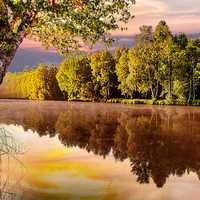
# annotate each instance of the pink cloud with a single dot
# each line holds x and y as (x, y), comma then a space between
(30, 44)
(181, 16)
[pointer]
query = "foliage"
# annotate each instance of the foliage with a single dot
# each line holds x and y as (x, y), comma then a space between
(162, 65)
(119, 51)
(75, 78)
(145, 36)
(132, 101)
(161, 68)
(131, 73)
(122, 71)
(63, 23)
(37, 84)
(103, 71)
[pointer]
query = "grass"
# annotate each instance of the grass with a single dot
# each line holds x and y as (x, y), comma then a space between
(131, 101)
(196, 102)
(153, 101)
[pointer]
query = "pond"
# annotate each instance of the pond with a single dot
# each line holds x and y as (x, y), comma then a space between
(89, 151)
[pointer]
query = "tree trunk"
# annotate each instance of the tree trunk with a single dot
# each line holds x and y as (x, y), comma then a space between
(157, 89)
(151, 86)
(170, 85)
(194, 90)
(5, 60)
(190, 91)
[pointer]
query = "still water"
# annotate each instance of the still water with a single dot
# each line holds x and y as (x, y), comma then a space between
(88, 151)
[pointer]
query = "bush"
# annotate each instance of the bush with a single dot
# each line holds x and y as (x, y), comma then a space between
(196, 102)
(75, 78)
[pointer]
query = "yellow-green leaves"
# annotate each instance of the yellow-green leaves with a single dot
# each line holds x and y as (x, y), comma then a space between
(75, 78)
(37, 84)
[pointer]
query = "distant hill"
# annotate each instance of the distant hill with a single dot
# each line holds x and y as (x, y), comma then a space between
(194, 35)
(30, 57)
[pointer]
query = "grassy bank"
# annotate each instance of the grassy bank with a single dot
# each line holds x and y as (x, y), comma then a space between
(153, 102)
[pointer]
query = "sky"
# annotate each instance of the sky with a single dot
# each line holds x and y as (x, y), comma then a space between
(181, 16)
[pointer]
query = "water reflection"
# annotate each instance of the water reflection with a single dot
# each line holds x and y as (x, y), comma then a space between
(158, 142)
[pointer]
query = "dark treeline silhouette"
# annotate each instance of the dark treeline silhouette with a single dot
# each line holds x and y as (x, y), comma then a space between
(157, 142)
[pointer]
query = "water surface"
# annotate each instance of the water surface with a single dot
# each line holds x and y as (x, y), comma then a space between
(88, 151)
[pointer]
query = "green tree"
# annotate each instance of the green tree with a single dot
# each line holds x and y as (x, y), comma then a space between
(177, 57)
(138, 77)
(181, 40)
(131, 73)
(145, 36)
(186, 58)
(164, 38)
(122, 71)
(104, 77)
(64, 24)
(75, 78)
(192, 60)
(150, 58)
(51, 83)
(119, 52)
(162, 32)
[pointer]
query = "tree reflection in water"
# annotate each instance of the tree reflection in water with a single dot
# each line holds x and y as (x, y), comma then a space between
(158, 142)
(9, 180)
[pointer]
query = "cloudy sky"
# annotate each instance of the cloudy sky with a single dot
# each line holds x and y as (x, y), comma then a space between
(181, 15)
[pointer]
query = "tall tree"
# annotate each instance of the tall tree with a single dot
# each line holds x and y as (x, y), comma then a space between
(131, 73)
(64, 24)
(145, 36)
(192, 60)
(75, 78)
(181, 40)
(137, 79)
(119, 52)
(162, 32)
(163, 37)
(151, 60)
(103, 71)
(122, 71)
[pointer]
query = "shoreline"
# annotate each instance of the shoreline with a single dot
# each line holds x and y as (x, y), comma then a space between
(121, 101)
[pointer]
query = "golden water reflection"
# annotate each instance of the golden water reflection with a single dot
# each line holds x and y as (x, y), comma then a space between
(107, 152)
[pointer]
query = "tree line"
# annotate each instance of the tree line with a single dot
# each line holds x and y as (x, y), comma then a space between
(34, 84)
(160, 66)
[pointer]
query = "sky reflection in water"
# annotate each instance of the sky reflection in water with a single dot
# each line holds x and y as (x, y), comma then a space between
(108, 152)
